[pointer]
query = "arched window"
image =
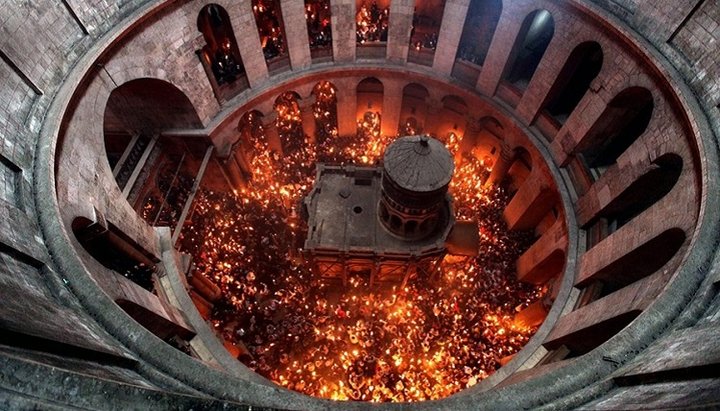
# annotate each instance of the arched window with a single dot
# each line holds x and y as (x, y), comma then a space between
(317, 17)
(371, 27)
(289, 122)
(624, 120)
(573, 81)
(533, 39)
(478, 30)
(268, 17)
(325, 112)
(427, 18)
(220, 55)
(413, 111)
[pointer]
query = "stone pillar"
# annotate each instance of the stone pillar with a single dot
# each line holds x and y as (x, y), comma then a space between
(342, 22)
(580, 126)
(346, 107)
(244, 155)
(296, 35)
(449, 37)
(234, 169)
(508, 28)
(470, 139)
(400, 24)
(544, 259)
(434, 120)
(531, 202)
(501, 166)
(392, 106)
(271, 133)
(248, 41)
(308, 117)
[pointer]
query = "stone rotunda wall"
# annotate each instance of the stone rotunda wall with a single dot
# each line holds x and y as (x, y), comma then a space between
(636, 311)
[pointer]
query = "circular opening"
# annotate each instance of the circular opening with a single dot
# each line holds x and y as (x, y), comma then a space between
(357, 209)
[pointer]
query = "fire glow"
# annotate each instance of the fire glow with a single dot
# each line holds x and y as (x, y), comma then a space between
(425, 341)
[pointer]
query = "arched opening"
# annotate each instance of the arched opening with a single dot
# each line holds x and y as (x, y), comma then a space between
(220, 55)
(533, 39)
(369, 106)
(135, 114)
(271, 29)
(573, 81)
(325, 112)
(155, 172)
(427, 18)
(478, 31)
(413, 109)
(317, 17)
(371, 28)
(289, 122)
(411, 227)
(624, 120)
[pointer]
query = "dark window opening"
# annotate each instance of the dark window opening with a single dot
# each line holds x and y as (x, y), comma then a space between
(533, 39)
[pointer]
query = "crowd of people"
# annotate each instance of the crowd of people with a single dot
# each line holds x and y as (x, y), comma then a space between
(371, 23)
(428, 340)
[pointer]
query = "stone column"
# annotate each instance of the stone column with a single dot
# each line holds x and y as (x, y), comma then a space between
(342, 20)
(308, 117)
(296, 35)
(449, 37)
(271, 133)
(400, 24)
(545, 258)
(248, 41)
(347, 107)
(470, 139)
(434, 120)
(508, 28)
(234, 169)
(531, 202)
(392, 105)
(502, 165)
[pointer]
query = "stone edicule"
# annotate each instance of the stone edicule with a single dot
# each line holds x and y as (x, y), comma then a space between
(345, 234)
(417, 172)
